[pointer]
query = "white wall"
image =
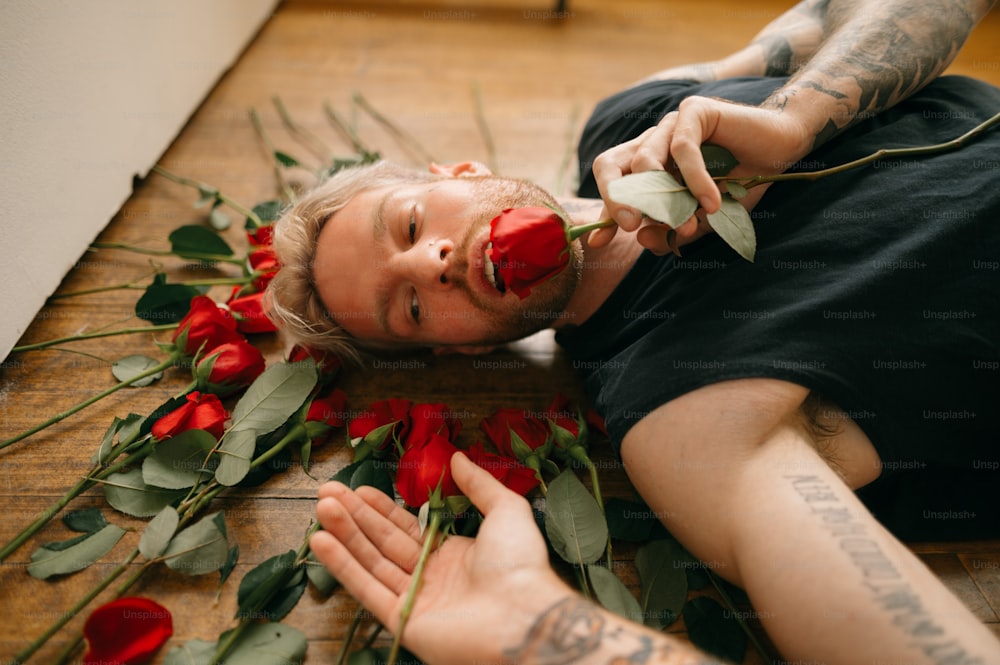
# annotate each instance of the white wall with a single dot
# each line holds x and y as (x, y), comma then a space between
(91, 93)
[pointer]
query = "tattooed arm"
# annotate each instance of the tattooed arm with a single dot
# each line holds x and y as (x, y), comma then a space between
(848, 60)
(492, 599)
(734, 471)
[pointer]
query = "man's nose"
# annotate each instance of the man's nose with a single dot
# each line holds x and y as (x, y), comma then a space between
(433, 263)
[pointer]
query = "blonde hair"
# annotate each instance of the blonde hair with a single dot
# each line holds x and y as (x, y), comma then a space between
(292, 301)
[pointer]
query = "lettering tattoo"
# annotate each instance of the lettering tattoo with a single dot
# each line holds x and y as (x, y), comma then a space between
(889, 589)
(868, 61)
(574, 630)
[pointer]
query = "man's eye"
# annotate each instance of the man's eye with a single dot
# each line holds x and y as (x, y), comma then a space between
(413, 228)
(415, 308)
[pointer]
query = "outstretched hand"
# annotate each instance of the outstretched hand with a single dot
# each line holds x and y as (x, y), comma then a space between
(478, 596)
(764, 141)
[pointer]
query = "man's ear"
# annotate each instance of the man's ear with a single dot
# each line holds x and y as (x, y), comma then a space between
(467, 350)
(457, 169)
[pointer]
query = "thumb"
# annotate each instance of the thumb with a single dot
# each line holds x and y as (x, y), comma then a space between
(482, 489)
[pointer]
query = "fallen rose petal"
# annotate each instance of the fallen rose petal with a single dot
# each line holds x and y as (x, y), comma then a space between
(126, 631)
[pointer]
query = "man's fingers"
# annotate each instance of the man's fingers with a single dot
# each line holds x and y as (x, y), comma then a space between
(601, 237)
(696, 120)
(486, 492)
(356, 578)
(385, 549)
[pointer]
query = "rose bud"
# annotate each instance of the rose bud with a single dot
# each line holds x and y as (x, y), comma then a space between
(229, 367)
(531, 431)
(382, 423)
(428, 419)
(249, 313)
(204, 327)
(200, 411)
(126, 631)
(527, 247)
(423, 468)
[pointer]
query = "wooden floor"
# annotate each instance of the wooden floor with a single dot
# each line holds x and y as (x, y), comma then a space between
(419, 63)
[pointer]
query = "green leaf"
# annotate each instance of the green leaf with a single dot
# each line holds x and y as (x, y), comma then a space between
(165, 303)
(157, 534)
(195, 242)
(201, 548)
(267, 644)
(613, 594)
(218, 219)
(662, 566)
(373, 473)
(232, 558)
(127, 493)
(274, 397)
(271, 589)
(319, 576)
(235, 455)
(718, 160)
(87, 520)
(207, 194)
(47, 562)
(135, 365)
(656, 194)
(285, 159)
(733, 224)
(736, 190)
(710, 628)
(266, 211)
(574, 524)
(180, 461)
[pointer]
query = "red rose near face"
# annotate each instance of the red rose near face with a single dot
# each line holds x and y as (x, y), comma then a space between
(428, 419)
(127, 631)
(249, 313)
(529, 247)
(204, 327)
(424, 466)
(200, 411)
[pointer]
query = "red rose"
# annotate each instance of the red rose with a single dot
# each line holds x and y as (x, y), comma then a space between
(200, 411)
(514, 475)
(229, 367)
(564, 414)
(262, 235)
(529, 246)
(379, 414)
(532, 431)
(126, 631)
(423, 467)
(328, 410)
(265, 264)
(429, 419)
(204, 327)
(249, 311)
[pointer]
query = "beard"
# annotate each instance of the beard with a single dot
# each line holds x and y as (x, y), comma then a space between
(512, 318)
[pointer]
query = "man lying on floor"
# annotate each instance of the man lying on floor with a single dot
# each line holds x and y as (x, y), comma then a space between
(786, 417)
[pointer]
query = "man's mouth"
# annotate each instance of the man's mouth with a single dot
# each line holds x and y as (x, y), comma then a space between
(491, 271)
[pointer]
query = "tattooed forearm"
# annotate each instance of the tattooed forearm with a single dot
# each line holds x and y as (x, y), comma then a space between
(880, 575)
(875, 54)
(576, 631)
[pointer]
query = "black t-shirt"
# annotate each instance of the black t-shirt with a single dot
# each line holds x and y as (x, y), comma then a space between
(877, 288)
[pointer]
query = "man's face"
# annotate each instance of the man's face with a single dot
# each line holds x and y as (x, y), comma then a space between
(405, 264)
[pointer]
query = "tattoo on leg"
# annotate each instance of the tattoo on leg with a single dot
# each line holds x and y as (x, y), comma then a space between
(879, 574)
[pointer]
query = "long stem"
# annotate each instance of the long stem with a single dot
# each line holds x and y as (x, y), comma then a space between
(307, 138)
(884, 153)
(574, 232)
(279, 175)
(73, 611)
(345, 130)
(169, 362)
(209, 258)
(406, 140)
(188, 182)
(352, 628)
(97, 474)
(430, 536)
(95, 335)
